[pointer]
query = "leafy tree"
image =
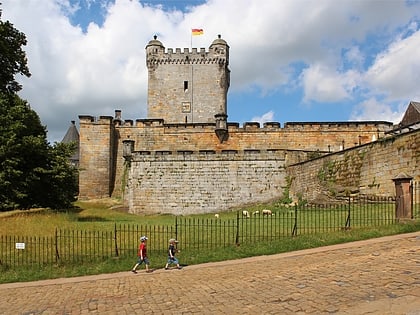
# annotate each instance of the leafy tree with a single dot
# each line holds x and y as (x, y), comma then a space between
(61, 177)
(32, 172)
(23, 152)
(12, 57)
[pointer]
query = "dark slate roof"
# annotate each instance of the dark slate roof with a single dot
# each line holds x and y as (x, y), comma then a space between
(72, 135)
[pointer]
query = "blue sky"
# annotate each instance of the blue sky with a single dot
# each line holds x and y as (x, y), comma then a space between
(290, 60)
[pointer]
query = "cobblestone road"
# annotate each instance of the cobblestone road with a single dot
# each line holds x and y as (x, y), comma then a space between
(379, 276)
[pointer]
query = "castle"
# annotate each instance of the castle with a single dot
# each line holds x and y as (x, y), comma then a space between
(186, 158)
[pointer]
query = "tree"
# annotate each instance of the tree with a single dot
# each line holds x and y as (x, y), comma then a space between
(12, 57)
(23, 152)
(32, 172)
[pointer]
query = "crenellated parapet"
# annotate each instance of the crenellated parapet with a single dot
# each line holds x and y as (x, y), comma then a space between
(380, 128)
(186, 57)
(156, 54)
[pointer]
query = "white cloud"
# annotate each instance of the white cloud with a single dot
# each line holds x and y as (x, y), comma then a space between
(372, 109)
(323, 84)
(267, 117)
(396, 71)
(274, 44)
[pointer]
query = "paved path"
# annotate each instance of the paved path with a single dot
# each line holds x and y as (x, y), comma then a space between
(379, 276)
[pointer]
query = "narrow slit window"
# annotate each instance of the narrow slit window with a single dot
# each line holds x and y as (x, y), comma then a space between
(185, 86)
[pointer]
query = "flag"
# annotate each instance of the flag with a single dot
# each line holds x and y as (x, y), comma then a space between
(197, 31)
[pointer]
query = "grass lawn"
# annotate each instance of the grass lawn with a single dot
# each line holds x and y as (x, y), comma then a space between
(104, 214)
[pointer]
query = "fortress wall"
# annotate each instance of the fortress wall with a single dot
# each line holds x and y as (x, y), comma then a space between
(102, 163)
(202, 136)
(203, 183)
(368, 169)
(150, 135)
(96, 159)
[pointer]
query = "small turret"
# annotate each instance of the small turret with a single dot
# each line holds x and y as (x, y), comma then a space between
(221, 127)
(154, 50)
(221, 48)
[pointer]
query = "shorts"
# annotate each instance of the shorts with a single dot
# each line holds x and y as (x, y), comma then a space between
(173, 261)
(145, 260)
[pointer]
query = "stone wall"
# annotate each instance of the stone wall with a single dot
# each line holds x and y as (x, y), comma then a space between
(204, 182)
(102, 167)
(367, 169)
(97, 159)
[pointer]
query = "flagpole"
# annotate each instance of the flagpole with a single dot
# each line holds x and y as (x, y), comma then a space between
(192, 80)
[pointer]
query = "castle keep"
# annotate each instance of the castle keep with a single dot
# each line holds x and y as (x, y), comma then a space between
(187, 87)
(185, 157)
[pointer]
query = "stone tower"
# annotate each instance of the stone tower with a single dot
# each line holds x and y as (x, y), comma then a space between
(187, 86)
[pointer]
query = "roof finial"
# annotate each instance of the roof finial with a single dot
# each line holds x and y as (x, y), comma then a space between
(219, 36)
(155, 37)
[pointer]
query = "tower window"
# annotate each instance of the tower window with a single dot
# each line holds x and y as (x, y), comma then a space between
(185, 86)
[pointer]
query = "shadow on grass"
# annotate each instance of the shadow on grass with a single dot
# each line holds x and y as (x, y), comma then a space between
(91, 219)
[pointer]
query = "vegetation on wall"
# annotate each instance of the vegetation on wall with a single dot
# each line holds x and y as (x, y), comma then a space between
(285, 198)
(327, 172)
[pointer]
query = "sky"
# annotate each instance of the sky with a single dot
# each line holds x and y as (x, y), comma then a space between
(290, 60)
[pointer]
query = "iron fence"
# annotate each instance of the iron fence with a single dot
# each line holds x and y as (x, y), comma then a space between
(72, 246)
(415, 193)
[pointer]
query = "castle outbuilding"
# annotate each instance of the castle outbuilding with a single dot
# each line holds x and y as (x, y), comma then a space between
(185, 157)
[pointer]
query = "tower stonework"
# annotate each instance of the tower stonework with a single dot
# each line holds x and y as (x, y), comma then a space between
(96, 160)
(187, 86)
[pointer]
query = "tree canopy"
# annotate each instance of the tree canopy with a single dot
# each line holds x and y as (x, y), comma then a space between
(12, 57)
(32, 172)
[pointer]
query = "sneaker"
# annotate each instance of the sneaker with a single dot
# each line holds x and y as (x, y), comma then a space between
(134, 271)
(179, 267)
(166, 268)
(150, 270)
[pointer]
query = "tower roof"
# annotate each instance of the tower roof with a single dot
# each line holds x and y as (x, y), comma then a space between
(219, 41)
(155, 42)
(72, 135)
(412, 115)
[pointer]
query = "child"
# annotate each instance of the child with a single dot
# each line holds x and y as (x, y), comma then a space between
(171, 254)
(142, 255)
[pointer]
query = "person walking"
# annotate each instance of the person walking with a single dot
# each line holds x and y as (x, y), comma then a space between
(142, 255)
(171, 254)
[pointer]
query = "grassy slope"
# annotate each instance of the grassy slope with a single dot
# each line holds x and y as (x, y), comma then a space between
(100, 215)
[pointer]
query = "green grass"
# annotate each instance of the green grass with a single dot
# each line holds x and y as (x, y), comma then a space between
(103, 216)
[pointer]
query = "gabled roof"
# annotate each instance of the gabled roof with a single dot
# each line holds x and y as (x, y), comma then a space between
(412, 115)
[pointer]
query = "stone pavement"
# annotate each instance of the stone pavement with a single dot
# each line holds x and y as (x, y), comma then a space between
(378, 276)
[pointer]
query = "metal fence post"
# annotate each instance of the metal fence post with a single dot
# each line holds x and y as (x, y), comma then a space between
(347, 226)
(57, 255)
(237, 229)
(176, 227)
(115, 240)
(294, 232)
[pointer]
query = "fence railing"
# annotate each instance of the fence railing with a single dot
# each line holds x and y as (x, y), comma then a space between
(415, 193)
(69, 246)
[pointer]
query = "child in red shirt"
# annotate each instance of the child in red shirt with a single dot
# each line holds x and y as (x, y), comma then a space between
(142, 255)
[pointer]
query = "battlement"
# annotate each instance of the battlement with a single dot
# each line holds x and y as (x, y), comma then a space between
(186, 57)
(203, 155)
(382, 127)
(157, 54)
(337, 125)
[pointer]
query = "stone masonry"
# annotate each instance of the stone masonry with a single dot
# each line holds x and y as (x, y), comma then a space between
(178, 163)
(368, 169)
